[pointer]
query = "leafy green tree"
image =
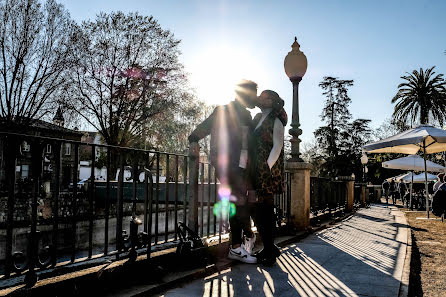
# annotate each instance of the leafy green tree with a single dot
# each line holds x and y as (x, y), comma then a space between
(357, 134)
(338, 147)
(421, 98)
(336, 115)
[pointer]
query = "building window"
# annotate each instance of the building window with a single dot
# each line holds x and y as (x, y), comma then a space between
(67, 149)
(26, 147)
(48, 148)
(25, 171)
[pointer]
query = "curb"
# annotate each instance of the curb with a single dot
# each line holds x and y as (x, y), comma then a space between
(405, 278)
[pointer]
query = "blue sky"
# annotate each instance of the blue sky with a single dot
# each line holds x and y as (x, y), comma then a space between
(372, 42)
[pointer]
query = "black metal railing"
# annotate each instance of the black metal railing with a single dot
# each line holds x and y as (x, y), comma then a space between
(327, 196)
(282, 203)
(64, 201)
(46, 204)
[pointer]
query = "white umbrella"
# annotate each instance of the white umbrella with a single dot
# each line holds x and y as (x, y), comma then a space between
(418, 178)
(425, 138)
(411, 141)
(413, 163)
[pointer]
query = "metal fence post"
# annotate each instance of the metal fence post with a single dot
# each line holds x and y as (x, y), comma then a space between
(11, 148)
(194, 152)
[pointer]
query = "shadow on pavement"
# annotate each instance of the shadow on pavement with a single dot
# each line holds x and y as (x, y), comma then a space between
(359, 256)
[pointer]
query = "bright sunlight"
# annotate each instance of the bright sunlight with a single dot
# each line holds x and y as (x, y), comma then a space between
(216, 70)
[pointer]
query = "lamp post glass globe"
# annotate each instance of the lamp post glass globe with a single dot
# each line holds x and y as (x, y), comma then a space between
(295, 65)
(364, 159)
(438, 156)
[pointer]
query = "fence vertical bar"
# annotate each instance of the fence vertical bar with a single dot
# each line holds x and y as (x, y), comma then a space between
(176, 196)
(146, 190)
(119, 203)
(290, 187)
(157, 195)
(185, 166)
(194, 151)
(107, 199)
(90, 201)
(135, 182)
(166, 204)
(202, 200)
(11, 148)
(148, 198)
(75, 180)
(57, 151)
(209, 199)
(36, 161)
(215, 200)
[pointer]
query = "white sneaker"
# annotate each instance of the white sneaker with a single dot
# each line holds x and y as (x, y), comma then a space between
(249, 243)
(242, 255)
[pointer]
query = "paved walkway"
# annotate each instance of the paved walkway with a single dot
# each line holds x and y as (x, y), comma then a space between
(361, 256)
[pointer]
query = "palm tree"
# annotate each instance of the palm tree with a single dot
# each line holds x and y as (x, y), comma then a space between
(422, 96)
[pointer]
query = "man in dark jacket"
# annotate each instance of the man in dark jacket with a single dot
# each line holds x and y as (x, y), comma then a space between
(229, 126)
(393, 190)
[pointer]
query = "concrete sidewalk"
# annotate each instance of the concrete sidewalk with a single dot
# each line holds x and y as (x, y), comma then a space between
(361, 256)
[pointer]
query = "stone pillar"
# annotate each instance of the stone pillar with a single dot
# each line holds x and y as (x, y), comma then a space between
(350, 194)
(363, 196)
(378, 195)
(300, 193)
(367, 195)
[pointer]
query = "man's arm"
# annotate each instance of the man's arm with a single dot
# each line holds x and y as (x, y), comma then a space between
(203, 129)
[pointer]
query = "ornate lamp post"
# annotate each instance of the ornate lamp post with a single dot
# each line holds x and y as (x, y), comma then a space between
(364, 161)
(295, 65)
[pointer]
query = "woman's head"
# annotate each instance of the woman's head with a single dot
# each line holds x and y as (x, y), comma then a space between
(269, 99)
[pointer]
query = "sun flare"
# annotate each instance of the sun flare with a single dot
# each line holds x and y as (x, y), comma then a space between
(216, 70)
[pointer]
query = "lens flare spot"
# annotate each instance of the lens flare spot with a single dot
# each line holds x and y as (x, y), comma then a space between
(224, 191)
(224, 209)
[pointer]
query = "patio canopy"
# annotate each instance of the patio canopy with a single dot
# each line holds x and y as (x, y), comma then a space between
(424, 137)
(418, 178)
(413, 163)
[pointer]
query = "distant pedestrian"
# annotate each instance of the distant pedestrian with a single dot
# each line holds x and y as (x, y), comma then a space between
(439, 182)
(385, 186)
(402, 190)
(393, 190)
(439, 198)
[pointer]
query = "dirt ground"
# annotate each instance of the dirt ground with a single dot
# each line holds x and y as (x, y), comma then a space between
(428, 265)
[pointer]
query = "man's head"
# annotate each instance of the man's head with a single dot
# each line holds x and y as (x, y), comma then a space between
(246, 93)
